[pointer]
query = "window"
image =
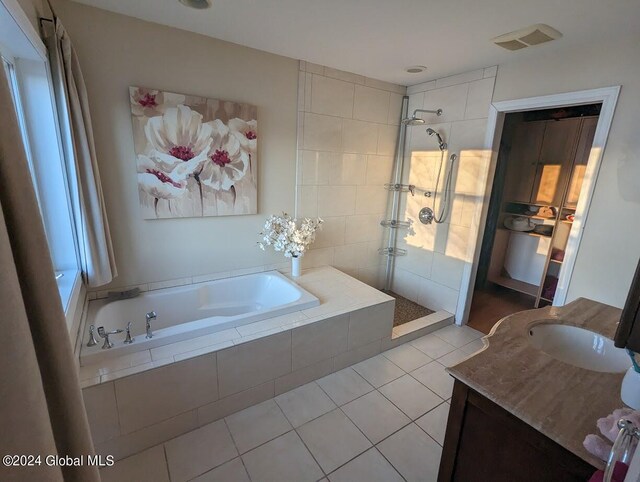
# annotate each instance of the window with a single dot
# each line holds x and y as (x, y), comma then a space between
(27, 70)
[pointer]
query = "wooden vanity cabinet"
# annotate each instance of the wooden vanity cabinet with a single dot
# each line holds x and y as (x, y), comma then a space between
(485, 443)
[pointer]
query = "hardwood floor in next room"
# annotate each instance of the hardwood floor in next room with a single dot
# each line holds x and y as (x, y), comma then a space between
(493, 303)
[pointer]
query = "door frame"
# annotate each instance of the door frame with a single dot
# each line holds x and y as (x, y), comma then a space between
(608, 96)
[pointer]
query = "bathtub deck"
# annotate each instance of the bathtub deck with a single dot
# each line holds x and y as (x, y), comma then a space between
(339, 293)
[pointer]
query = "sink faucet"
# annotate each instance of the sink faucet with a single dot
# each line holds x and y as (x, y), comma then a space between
(150, 316)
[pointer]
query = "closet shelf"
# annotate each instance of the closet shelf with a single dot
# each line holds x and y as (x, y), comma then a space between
(516, 285)
(526, 233)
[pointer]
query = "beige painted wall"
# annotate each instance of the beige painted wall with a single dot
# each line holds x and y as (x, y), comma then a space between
(115, 52)
(610, 244)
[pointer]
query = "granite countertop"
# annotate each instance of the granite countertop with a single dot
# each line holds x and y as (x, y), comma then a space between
(559, 400)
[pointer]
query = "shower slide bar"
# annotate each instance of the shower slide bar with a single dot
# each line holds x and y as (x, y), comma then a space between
(394, 224)
(407, 188)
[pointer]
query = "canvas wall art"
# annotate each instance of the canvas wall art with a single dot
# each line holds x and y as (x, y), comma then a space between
(195, 156)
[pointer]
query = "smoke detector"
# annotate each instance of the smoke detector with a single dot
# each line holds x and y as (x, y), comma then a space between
(197, 4)
(526, 37)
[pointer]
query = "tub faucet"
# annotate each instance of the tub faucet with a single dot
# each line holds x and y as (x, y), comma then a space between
(92, 336)
(150, 316)
(129, 339)
(105, 334)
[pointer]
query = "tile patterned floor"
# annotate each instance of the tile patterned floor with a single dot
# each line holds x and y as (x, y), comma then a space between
(382, 419)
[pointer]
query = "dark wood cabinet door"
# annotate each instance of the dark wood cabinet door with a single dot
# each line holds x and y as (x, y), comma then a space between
(522, 161)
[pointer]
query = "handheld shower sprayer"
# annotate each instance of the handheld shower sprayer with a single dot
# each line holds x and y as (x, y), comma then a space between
(441, 143)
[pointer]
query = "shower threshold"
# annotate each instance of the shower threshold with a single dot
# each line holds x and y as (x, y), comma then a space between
(407, 310)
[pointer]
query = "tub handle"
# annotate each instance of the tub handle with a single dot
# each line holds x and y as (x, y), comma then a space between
(105, 334)
(129, 339)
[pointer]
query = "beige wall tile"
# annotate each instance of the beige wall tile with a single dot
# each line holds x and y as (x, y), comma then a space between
(336, 200)
(331, 97)
(342, 75)
(155, 395)
(452, 100)
(359, 137)
(362, 228)
(307, 202)
(252, 363)
(371, 200)
(134, 442)
(387, 136)
(322, 132)
(379, 170)
(395, 108)
(370, 324)
(460, 78)
(304, 375)
(479, 98)
(332, 232)
(318, 341)
(234, 403)
(147, 466)
(351, 169)
(371, 105)
(356, 355)
(102, 411)
(318, 257)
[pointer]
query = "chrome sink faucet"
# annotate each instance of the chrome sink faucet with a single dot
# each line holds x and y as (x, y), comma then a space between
(150, 316)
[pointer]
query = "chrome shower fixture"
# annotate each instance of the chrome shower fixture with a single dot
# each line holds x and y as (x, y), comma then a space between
(414, 120)
(441, 143)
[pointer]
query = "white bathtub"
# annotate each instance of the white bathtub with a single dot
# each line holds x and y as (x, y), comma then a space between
(190, 311)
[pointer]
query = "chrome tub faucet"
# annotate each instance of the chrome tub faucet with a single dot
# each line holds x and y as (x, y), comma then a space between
(105, 334)
(150, 316)
(129, 339)
(92, 336)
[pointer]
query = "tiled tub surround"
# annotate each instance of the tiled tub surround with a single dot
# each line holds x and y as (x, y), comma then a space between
(432, 271)
(146, 398)
(347, 130)
(192, 311)
(382, 419)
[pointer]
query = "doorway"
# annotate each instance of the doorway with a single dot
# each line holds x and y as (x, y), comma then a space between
(539, 174)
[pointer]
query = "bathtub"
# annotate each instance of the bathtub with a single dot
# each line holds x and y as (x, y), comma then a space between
(190, 311)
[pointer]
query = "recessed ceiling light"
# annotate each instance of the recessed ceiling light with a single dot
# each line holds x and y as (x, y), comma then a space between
(416, 69)
(199, 4)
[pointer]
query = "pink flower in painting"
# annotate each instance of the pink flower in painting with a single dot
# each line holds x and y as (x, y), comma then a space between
(178, 141)
(227, 162)
(246, 132)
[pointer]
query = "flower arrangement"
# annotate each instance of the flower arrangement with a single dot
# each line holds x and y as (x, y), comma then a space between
(283, 233)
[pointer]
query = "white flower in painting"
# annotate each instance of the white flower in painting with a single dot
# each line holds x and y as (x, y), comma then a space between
(227, 162)
(146, 102)
(178, 141)
(159, 184)
(246, 132)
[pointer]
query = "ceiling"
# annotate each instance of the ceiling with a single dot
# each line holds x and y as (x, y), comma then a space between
(380, 38)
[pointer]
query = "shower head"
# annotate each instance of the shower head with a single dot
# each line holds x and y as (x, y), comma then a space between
(414, 120)
(441, 143)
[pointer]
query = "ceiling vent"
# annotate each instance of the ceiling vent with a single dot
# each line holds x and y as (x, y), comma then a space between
(525, 37)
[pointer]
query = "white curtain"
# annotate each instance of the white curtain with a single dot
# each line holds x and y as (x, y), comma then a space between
(92, 228)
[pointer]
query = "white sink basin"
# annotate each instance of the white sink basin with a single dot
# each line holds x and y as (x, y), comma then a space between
(579, 347)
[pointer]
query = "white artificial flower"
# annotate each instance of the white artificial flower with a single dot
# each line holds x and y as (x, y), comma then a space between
(282, 233)
(226, 161)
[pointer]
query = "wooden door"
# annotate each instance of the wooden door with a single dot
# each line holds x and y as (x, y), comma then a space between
(522, 161)
(585, 141)
(556, 157)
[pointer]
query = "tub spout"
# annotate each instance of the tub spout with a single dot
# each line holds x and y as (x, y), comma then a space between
(150, 316)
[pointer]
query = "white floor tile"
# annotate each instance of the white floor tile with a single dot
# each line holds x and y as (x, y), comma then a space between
(333, 440)
(344, 386)
(474, 347)
(458, 335)
(304, 403)
(232, 471)
(376, 416)
(283, 459)
(435, 422)
(257, 425)
(410, 396)
(432, 346)
(413, 453)
(453, 358)
(368, 467)
(378, 370)
(434, 377)
(147, 466)
(407, 357)
(200, 450)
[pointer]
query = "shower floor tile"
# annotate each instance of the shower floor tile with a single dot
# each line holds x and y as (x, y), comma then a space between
(407, 310)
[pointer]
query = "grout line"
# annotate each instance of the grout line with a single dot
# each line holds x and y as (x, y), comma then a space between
(166, 460)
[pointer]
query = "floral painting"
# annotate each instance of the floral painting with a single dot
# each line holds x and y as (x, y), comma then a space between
(195, 156)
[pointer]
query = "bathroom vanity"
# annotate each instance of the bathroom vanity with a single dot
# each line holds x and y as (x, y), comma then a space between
(519, 413)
